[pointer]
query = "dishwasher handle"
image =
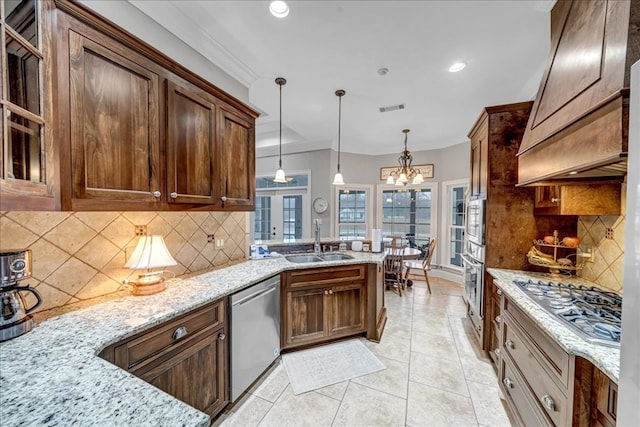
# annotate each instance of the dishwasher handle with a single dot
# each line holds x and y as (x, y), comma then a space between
(249, 298)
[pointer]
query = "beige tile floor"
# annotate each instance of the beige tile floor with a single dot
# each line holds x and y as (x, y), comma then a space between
(435, 376)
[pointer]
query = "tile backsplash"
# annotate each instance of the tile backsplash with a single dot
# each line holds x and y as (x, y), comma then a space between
(80, 255)
(607, 267)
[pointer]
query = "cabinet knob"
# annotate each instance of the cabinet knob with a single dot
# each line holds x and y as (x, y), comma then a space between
(510, 345)
(223, 198)
(497, 352)
(181, 332)
(330, 292)
(507, 382)
(499, 292)
(555, 199)
(222, 337)
(548, 402)
(157, 194)
(174, 195)
(498, 319)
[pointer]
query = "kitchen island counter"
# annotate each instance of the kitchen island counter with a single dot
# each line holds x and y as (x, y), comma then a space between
(605, 358)
(53, 376)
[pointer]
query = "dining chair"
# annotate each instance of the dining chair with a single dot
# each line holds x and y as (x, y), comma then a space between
(424, 265)
(393, 268)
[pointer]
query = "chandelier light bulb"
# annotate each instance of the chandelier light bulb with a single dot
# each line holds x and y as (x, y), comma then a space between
(279, 8)
(418, 179)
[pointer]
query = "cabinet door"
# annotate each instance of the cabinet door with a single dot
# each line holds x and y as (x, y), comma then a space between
(237, 151)
(479, 162)
(191, 154)
(114, 125)
(197, 375)
(304, 317)
(547, 200)
(348, 309)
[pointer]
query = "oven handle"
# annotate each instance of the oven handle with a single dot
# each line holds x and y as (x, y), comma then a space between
(466, 259)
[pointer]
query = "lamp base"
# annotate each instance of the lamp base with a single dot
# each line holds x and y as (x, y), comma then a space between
(148, 285)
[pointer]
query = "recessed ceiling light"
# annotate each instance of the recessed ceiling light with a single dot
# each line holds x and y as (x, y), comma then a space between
(279, 8)
(458, 66)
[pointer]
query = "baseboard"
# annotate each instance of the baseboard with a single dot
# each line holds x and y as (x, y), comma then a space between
(452, 276)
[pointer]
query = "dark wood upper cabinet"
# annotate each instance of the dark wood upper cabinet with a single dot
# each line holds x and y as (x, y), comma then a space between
(191, 146)
(115, 141)
(237, 151)
(578, 126)
(124, 127)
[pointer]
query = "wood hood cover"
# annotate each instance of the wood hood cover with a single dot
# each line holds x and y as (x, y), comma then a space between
(580, 118)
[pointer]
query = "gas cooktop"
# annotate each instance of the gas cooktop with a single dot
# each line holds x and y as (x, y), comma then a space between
(596, 315)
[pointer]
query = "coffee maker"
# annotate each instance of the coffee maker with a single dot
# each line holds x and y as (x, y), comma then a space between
(15, 319)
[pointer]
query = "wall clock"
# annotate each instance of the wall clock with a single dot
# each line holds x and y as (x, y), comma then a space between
(320, 204)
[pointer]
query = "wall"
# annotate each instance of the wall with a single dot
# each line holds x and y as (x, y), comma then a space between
(608, 264)
(140, 25)
(80, 255)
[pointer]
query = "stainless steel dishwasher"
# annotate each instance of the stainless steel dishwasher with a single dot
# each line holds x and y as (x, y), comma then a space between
(255, 332)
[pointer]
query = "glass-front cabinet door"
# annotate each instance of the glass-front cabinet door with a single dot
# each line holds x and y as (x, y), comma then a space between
(21, 99)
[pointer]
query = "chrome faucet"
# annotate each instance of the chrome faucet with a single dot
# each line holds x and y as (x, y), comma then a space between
(316, 245)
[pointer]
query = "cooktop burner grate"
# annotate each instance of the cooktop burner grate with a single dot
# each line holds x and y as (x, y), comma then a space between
(594, 314)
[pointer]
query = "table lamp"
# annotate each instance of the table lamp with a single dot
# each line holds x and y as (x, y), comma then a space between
(151, 252)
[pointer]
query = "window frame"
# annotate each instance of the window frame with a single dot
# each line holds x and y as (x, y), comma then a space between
(368, 225)
(447, 188)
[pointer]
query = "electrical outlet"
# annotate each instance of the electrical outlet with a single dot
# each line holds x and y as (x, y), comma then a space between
(608, 234)
(141, 230)
(210, 238)
(219, 243)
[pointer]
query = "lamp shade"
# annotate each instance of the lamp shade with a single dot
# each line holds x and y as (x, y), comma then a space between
(337, 179)
(390, 179)
(151, 252)
(280, 176)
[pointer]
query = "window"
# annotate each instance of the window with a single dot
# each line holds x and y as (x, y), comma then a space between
(21, 114)
(282, 209)
(454, 212)
(408, 212)
(353, 212)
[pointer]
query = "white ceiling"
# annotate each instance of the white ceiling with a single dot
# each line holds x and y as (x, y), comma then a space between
(323, 46)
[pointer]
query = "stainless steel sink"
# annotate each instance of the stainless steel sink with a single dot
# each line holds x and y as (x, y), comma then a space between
(303, 258)
(335, 257)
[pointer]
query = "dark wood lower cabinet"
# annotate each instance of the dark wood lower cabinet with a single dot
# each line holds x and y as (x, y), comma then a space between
(186, 357)
(321, 304)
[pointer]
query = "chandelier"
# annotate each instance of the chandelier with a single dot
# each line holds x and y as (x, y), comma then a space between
(405, 172)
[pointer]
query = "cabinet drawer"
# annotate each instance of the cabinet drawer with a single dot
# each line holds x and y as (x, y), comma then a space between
(518, 394)
(547, 350)
(546, 392)
(148, 343)
(324, 276)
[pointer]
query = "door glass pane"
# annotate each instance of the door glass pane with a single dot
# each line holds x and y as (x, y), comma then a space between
(407, 213)
(352, 214)
(21, 16)
(262, 221)
(23, 150)
(23, 76)
(456, 231)
(292, 217)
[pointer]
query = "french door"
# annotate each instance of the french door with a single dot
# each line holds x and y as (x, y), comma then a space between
(281, 215)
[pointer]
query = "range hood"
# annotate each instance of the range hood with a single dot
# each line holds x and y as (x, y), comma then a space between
(578, 128)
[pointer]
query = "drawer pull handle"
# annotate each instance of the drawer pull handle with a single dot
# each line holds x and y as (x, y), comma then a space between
(499, 292)
(498, 319)
(507, 382)
(221, 337)
(548, 402)
(555, 199)
(181, 332)
(330, 291)
(510, 345)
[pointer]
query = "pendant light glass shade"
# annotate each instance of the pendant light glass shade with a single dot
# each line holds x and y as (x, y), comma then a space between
(390, 179)
(280, 175)
(337, 179)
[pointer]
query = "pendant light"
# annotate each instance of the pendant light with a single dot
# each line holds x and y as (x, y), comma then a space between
(337, 180)
(280, 176)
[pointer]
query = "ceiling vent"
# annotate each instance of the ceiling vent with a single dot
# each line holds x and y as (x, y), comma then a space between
(392, 108)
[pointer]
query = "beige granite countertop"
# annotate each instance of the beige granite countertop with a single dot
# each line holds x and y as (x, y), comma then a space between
(605, 358)
(52, 375)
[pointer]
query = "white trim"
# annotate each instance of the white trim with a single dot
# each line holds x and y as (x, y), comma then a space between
(446, 220)
(369, 206)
